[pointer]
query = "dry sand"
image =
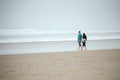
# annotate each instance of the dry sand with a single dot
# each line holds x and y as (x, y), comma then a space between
(85, 65)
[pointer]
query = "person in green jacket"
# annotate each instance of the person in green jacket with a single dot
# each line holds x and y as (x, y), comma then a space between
(79, 39)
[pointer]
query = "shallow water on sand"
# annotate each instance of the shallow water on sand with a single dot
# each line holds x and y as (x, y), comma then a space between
(55, 46)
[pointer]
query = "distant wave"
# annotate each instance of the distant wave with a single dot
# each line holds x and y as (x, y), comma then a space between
(36, 36)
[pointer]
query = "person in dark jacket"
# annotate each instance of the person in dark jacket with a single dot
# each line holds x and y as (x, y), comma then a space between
(84, 39)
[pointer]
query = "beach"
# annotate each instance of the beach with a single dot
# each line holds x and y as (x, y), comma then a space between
(69, 65)
(39, 39)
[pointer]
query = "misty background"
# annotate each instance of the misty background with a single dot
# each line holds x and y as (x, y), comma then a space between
(53, 20)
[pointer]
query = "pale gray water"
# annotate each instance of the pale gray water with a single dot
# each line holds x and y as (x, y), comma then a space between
(58, 46)
(11, 36)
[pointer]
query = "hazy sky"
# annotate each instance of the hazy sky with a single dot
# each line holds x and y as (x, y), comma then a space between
(60, 14)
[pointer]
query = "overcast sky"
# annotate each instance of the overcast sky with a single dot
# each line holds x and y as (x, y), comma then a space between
(60, 14)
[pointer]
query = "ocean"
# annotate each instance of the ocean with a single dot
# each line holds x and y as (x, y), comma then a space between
(27, 41)
(34, 35)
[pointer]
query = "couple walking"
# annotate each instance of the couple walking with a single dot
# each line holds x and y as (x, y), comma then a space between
(82, 39)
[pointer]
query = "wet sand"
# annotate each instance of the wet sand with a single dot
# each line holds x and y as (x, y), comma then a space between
(77, 65)
(55, 46)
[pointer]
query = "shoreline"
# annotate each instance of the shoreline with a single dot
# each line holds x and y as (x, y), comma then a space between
(58, 46)
(62, 52)
(55, 41)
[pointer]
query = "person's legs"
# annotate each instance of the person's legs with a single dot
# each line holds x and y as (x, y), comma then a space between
(84, 45)
(79, 42)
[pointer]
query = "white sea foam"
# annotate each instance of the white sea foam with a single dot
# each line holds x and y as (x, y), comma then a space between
(32, 35)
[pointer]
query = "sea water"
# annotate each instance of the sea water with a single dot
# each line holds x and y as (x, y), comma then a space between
(32, 35)
(25, 41)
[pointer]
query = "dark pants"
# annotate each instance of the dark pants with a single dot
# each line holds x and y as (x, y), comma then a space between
(84, 44)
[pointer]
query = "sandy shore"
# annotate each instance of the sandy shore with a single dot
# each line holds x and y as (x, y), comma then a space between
(86, 65)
